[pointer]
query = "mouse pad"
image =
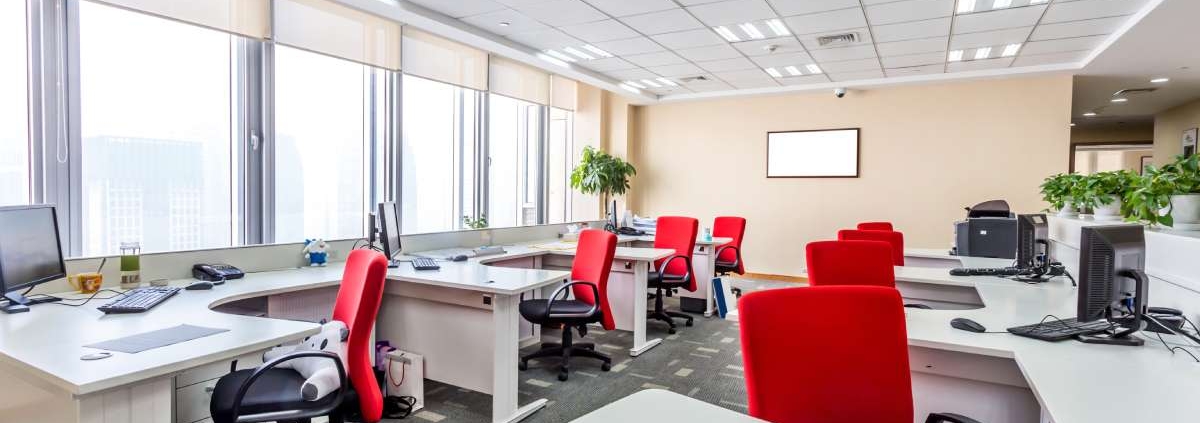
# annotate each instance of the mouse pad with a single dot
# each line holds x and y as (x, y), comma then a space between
(154, 339)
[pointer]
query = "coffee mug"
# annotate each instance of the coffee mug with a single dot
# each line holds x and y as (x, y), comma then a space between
(87, 282)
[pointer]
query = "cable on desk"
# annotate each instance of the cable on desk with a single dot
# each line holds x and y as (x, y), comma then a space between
(92, 297)
(1164, 342)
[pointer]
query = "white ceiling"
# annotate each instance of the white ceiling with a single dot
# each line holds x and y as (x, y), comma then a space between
(674, 39)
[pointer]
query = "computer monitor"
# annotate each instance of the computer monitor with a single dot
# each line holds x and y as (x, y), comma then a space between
(1032, 244)
(30, 252)
(1112, 260)
(389, 230)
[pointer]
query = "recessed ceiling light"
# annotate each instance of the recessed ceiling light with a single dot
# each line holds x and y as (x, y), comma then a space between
(1072, 123)
(578, 53)
(778, 27)
(774, 72)
(554, 60)
(560, 56)
(1120, 100)
(1090, 114)
(651, 84)
(1160, 80)
(668, 82)
(634, 84)
(504, 24)
(726, 34)
(631, 89)
(1011, 50)
(752, 31)
(813, 68)
(982, 53)
(966, 6)
(792, 70)
(1000, 4)
(955, 56)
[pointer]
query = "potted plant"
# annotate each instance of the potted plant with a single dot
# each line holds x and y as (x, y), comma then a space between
(603, 174)
(1148, 199)
(1103, 191)
(1062, 192)
(1184, 177)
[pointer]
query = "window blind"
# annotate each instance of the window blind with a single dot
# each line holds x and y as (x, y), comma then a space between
(562, 92)
(251, 18)
(326, 27)
(433, 57)
(512, 79)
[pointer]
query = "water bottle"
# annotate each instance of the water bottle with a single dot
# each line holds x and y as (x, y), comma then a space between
(707, 234)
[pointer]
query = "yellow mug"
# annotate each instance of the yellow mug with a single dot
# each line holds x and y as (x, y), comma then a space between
(86, 282)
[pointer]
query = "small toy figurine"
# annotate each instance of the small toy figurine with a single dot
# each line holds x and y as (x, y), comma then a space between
(316, 251)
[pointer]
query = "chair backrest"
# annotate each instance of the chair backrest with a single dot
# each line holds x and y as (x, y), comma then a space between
(896, 239)
(799, 370)
(593, 262)
(731, 227)
(850, 263)
(677, 233)
(357, 305)
(875, 226)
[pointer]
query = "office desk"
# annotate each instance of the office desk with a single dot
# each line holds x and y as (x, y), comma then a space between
(657, 405)
(704, 263)
(941, 258)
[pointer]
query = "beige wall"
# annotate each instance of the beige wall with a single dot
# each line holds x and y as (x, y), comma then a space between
(927, 151)
(1168, 130)
(587, 124)
(617, 135)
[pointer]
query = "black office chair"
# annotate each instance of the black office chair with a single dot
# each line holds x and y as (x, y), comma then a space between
(268, 394)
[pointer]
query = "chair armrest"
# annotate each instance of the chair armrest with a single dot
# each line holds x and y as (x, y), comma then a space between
(563, 288)
(949, 418)
(736, 251)
(260, 370)
(662, 269)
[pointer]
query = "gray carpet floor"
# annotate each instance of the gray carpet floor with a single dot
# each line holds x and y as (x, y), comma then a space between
(703, 361)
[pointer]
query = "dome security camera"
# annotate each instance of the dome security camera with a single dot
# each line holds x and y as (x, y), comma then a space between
(839, 92)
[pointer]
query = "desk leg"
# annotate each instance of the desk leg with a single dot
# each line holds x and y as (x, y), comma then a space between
(506, 322)
(641, 274)
(708, 293)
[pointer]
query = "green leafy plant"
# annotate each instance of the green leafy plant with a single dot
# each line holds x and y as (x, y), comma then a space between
(1102, 188)
(601, 173)
(1150, 194)
(478, 223)
(1063, 188)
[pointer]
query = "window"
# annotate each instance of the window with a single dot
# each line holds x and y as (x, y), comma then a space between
(14, 101)
(514, 146)
(157, 148)
(559, 159)
(437, 155)
(322, 127)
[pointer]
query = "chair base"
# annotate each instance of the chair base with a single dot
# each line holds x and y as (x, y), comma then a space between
(566, 350)
(660, 313)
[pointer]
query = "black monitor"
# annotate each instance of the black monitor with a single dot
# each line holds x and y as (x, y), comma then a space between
(1032, 246)
(389, 230)
(1112, 260)
(30, 252)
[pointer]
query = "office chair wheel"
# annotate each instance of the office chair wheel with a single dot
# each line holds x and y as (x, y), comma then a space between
(562, 376)
(605, 367)
(688, 323)
(522, 366)
(671, 331)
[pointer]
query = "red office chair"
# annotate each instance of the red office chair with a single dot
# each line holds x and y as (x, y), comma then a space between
(799, 370)
(589, 285)
(267, 393)
(875, 226)
(674, 272)
(850, 263)
(896, 239)
(729, 255)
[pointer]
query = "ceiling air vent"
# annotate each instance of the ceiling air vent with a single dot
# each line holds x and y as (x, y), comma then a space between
(1130, 91)
(691, 79)
(838, 39)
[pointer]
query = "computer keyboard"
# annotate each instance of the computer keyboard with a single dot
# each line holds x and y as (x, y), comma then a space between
(139, 300)
(422, 263)
(987, 271)
(1057, 330)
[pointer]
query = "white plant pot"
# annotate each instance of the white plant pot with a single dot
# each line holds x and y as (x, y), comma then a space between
(1185, 210)
(1068, 210)
(1110, 212)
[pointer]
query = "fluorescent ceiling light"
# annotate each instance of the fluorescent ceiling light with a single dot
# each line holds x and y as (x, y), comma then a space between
(955, 56)
(792, 70)
(773, 72)
(983, 53)
(578, 53)
(966, 6)
(1011, 50)
(1038, 1)
(1000, 4)
(631, 89)
(1160, 80)
(553, 60)
(651, 84)
(634, 84)
(813, 68)
(1090, 114)
(1120, 100)
(668, 82)
(778, 27)
(597, 50)
(752, 31)
(726, 34)
(560, 56)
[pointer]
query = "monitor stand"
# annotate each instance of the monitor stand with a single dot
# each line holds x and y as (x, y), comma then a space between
(1124, 335)
(17, 303)
(393, 263)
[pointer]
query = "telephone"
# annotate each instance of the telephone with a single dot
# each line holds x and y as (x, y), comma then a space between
(216, 272)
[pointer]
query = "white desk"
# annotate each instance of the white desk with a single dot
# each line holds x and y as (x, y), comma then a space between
(941, 258)
(704, 263)
(661, 406)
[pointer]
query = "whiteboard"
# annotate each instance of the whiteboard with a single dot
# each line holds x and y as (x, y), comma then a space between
(813, 154)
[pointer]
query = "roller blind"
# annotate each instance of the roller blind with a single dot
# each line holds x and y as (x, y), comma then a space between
(562, 92)
(517, 80)
(251, 18)
(330, 28)
(433, 57)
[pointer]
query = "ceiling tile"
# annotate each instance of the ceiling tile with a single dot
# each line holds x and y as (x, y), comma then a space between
(682, 69)
(786, 59)
(924, 45)
(810, 40)
(518, 3)
(548, 38)
(850, 65)
(608, 64)
(654, 59)
(727, 64)
(631, 7)
(605, 30)
(804, 7)
(701, 87)
(461, 8)
(629, 46)
(979, 64)
(733, 12)
(1100, 26)
(1090, 9)
(695, 2)
(857, 75)
(702, 54)
(673, 20)
(755, 83)
(990, 38)
(843, 53)
(517, 22)
(669, 90)
(827, 21)
(742, 75)
(1051, 58)
(915, 70)
(998, 19)
(920, 59)
(563, 12)
(912, 30)
(764, 47)
(1066, 44)
(688, 39)
(631, 74)
(905, 11)
(804, 80)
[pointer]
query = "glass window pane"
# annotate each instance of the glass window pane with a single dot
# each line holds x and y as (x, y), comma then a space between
(14, 109)
(437, 155)
(514, 147)
(156, 153)
(558, 166)
(321, 122)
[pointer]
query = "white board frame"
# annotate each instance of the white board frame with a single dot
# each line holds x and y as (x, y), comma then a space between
(774, 136)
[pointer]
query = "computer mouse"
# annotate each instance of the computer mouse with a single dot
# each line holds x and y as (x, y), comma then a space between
(199, 286)
(96, 356)
(962, 323)
(460, 257)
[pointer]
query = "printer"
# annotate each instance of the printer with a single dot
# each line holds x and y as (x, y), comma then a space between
(990, 230)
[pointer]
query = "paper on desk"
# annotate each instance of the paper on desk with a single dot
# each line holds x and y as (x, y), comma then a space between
(154, 339)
